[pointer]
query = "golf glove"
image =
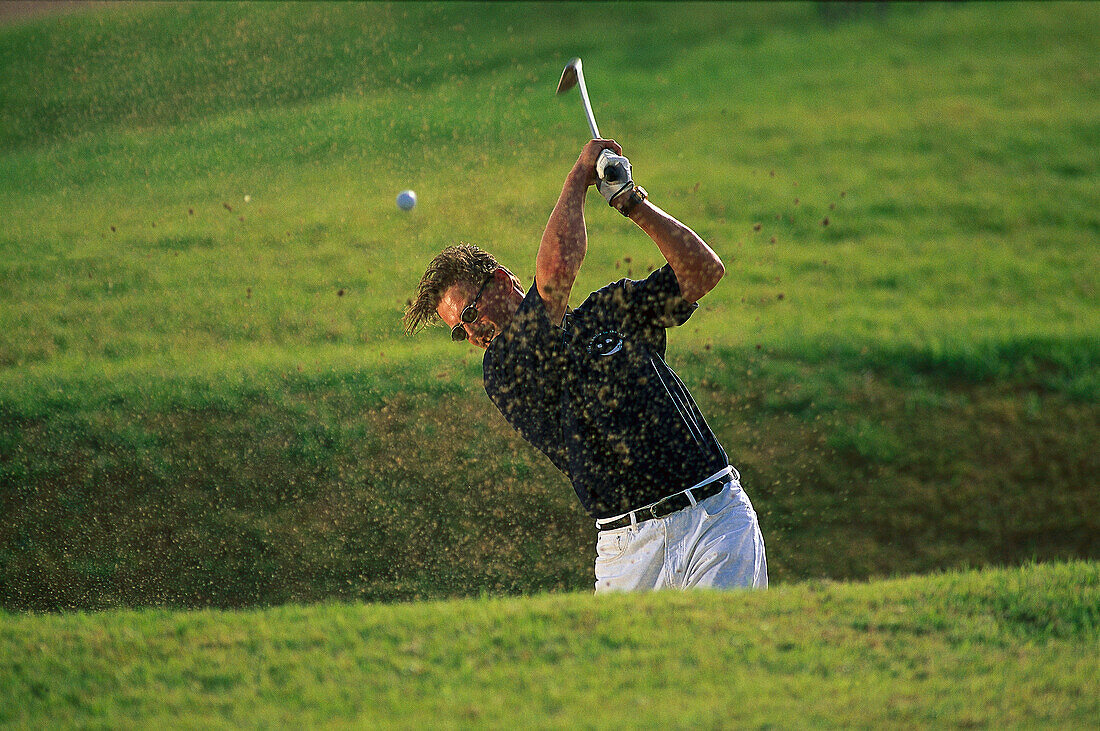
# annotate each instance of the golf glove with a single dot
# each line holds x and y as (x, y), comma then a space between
(612, 175)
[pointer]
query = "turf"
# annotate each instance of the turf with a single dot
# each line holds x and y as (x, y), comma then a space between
(207, 400)
(996, 648)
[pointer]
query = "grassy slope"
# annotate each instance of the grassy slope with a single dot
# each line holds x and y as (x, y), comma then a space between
(193, 415)
(966, 220)
(996, 648)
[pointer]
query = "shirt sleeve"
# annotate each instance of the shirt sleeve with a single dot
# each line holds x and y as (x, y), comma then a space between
(655, 300)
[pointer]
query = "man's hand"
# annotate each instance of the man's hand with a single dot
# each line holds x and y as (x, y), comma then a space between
(613, 172)
(585, 167)
(602, 164)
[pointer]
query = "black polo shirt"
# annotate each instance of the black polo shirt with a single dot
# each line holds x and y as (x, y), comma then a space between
(598, 399)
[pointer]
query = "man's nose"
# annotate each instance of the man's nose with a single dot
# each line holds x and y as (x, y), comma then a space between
(471, 329)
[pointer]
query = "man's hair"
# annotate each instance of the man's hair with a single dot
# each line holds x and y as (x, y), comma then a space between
(460, 263)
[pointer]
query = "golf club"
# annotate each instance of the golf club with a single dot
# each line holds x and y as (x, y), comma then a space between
(608, 166)
(573, 75)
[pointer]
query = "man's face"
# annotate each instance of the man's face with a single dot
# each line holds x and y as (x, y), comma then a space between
(492, 315)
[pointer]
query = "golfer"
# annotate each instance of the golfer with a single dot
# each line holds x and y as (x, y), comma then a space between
(590, 388)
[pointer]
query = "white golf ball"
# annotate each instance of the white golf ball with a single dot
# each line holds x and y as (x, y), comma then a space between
(406, 199)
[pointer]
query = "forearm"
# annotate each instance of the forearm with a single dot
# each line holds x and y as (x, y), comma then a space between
(564, 244)
(698, 268)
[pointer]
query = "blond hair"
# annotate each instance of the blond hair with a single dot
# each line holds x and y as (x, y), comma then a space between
(455, 264)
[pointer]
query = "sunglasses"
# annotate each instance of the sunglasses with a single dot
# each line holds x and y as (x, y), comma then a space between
(469, 314)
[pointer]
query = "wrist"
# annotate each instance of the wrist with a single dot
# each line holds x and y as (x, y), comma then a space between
(632, 201)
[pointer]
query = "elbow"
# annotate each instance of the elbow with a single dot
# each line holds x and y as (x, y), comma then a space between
(719, 271)
(702, 281)
(715, 272)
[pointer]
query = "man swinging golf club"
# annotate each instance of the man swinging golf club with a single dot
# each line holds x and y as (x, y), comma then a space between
(590, 388)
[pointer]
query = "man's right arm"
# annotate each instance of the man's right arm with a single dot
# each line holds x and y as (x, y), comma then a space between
(565, 239)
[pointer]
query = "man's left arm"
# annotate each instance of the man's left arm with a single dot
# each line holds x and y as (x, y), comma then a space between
(698, 269)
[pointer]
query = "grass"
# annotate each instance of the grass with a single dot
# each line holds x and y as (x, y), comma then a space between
(208, 402)
(966, 213)
(1005, 648)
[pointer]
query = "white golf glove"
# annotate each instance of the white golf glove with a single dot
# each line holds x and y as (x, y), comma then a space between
(612, 175)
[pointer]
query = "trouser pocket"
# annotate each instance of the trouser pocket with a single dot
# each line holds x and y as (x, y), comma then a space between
(718, 505)
(612, 544)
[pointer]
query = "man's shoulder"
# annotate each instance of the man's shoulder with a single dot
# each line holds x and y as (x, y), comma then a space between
(530, 318)
(522, 365)
(525, 333)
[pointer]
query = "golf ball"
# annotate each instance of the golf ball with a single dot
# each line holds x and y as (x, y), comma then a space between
(406, 199)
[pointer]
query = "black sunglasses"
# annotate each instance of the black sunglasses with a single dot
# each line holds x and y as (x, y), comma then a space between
(469, 314)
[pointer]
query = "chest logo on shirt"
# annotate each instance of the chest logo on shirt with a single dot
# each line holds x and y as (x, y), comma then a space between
(606, 343)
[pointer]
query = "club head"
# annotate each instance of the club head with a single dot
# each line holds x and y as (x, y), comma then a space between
(569, 76)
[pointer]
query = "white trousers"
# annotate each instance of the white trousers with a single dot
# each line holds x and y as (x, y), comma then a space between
(713, 544)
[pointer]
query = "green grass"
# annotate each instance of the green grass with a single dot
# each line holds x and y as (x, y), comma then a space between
(192, 414)
(968, 213)
(996, 648)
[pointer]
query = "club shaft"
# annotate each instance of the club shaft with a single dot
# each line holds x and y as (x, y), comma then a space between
(587, 106)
